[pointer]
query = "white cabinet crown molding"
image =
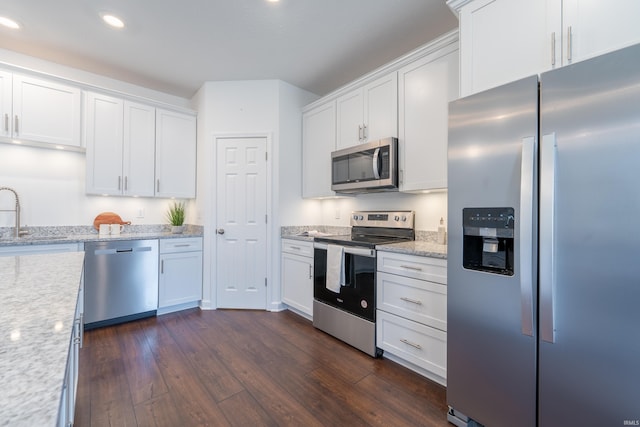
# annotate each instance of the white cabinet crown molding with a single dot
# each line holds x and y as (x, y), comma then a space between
(456, 5)
(95, 88)
(424, 50)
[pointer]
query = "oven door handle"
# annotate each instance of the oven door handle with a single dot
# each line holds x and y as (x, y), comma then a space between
(371, 253)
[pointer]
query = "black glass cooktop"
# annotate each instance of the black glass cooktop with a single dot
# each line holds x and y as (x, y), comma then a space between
(360, 240)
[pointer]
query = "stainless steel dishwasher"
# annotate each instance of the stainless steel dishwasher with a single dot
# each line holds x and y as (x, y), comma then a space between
(121, 281)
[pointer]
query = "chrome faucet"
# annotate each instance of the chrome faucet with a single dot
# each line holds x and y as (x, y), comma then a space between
(16, 210)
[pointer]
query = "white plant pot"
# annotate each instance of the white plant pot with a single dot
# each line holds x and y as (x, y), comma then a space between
(177, 229)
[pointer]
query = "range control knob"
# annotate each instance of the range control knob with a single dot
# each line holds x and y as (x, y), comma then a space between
(404, 218)
(355, 217)
(360, 217)
(396, 218)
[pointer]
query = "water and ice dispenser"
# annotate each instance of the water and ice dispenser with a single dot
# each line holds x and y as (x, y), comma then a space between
(488, 240)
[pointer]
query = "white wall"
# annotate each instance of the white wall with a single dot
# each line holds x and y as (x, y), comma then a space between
(429, 207)
(51, 186)
(250, 107)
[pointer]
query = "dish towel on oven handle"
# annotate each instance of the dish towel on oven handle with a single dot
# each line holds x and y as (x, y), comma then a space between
(335, 268)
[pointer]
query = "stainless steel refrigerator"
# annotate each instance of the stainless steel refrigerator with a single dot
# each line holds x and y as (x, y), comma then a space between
(544, 249)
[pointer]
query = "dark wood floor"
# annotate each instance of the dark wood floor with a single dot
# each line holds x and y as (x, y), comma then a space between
(243, 368)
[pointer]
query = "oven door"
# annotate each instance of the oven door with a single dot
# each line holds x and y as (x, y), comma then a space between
(357, 296)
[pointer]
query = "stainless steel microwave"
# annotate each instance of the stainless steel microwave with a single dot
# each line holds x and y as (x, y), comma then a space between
(365, 168)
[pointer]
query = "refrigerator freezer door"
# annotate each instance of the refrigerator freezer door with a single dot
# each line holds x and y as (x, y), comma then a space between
(491, 343)
(589, 374)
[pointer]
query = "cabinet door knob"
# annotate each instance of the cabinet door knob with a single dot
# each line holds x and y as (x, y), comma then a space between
(220, 231)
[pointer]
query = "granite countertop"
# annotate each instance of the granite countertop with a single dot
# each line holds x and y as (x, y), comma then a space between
(39, 295)
(417, 247)
(82, 237)
(423, 246)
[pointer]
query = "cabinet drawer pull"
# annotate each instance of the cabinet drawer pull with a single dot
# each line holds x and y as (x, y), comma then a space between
(410, 267)
(184, 245)
(553, 48)
(310, 272)
(569, 43)
(81, 330)
(412, 301)
(412, 344)
(297, 248)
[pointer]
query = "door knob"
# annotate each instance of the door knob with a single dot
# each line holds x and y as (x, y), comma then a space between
(220, 230)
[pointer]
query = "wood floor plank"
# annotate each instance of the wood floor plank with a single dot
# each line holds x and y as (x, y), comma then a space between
(213, 375)
(242, 410)
(158, 412)
(143, 375)
(346, 362)
(275, 400)
(412, 408)
(371, 409)
(243, 368)
(192, 401)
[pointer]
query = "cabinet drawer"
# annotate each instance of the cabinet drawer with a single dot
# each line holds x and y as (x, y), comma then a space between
(41, 249)
(421, 345)
(417, 300)
(418, 267)
(297, 247)
(185, 244)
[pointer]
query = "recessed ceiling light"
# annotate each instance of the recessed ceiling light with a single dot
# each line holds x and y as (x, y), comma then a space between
(112, 20)
(273, 1)
(9, 23)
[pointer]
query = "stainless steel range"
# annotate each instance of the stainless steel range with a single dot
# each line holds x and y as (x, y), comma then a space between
(344, 282)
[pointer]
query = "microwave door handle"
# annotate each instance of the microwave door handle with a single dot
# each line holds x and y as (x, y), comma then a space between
(376, 169)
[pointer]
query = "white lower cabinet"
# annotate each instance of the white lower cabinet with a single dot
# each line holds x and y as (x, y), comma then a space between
(66, 413)
(411, 317)
(297, 276)
(180, 284)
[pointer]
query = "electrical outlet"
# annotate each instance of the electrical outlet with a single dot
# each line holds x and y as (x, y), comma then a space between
(140, 213)
(337, 213)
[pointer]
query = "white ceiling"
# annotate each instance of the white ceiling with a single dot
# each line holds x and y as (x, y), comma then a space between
(174, 46)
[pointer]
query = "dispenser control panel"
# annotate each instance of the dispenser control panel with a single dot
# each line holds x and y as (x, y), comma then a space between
(488, 239)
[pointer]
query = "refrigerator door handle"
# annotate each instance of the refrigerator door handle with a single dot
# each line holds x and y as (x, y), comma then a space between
(527, 176)
(548, 151)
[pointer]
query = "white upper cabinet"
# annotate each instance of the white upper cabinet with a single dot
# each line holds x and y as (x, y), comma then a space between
(593, 27)
(104, 130)
(175, 154)
(139, 147)
(368, 113)
(120, 138)
(5, 104)
(135, 149)
(504, 40)
(318, 141)
(425, 88)
(40, 111)
(350, 119)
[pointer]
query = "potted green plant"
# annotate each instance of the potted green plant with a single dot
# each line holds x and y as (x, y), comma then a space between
(175, 215)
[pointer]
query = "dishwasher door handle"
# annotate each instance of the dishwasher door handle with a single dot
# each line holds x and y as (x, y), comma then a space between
(113, 251)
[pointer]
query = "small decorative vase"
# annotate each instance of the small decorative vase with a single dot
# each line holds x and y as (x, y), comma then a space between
(177, 229)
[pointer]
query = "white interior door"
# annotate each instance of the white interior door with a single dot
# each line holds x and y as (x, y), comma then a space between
(241, 246)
